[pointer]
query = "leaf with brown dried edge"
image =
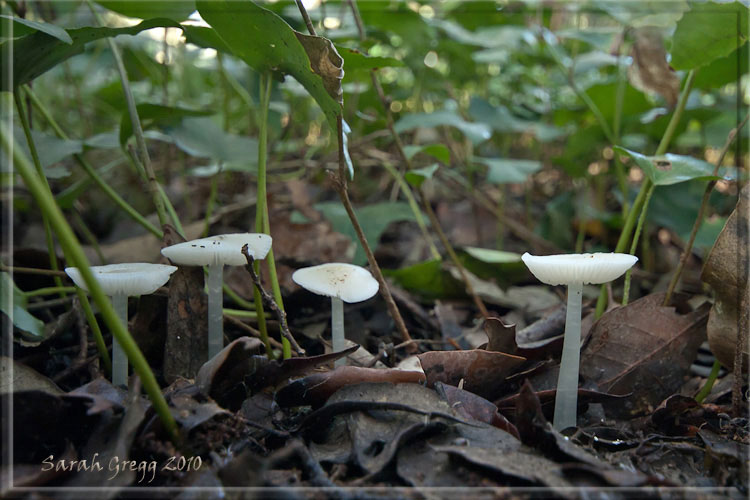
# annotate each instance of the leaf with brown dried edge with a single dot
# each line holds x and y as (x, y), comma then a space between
(650, 71)
(726, 270)
(643, 348)
(235, 373)
(315, 389)
(187, 337)
(325, 62)
(483, 371)
(469, 405)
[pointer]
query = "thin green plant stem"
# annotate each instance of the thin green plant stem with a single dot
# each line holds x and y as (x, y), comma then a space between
(616, 127)
(77, 257)
(140, 140)
(710, 381)
(171, 211)
(262, 224)
(210, 203)
(49, 290)
(638, 204)
(240, 313)
(111, 193)
(237, 299)
(95, 330)
(51, 252)
(414, 208)
(634, 245)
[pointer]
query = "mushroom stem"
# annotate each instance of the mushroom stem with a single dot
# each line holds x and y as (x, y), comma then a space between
(567, 381)
(119, 359)
(215, 319)
(337, 329)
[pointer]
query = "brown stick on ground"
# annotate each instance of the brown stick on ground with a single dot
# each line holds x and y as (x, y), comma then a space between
(407, 163)
(270, 303)
(341, 188)
(340, 185)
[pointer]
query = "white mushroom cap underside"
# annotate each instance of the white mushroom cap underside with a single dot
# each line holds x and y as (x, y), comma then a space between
(348, 282)
(133, 278)
(224, 249)
(594, 268)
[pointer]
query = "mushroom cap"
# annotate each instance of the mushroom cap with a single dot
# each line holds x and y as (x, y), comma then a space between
(348, 282)
(133, 278)
(583, 268)
(223, 249)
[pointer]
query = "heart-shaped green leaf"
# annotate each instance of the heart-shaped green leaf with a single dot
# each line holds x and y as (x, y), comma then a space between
(267, 43)
(671, 169)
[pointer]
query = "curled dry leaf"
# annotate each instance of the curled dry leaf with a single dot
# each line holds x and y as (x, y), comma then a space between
(315, 389)
(235, 373)
(643, 348)
(508, 405)
(483, 372)
(650, 71)
(326, 63)
(469, 405)
(726, 270)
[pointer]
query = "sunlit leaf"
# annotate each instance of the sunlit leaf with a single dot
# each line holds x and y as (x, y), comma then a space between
(671, 169)
(36, 53)
(267, 43)
(24, 27)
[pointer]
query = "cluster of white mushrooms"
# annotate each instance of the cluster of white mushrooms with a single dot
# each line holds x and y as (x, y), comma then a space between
(345, 283)
(341, 282)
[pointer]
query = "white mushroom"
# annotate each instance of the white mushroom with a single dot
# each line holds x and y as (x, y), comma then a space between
(121, 281)
(216, 252)
(343, 283)
(574, 270)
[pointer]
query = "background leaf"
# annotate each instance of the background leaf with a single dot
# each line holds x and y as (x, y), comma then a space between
(267, 43)
(146, 9)
(24, 27)
(671, 169)
(507, 170)
(374, 218)
(15, 305)
(708, 31)
(476, 132)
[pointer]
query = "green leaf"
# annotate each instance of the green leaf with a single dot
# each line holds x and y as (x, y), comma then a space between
(146, 9)
(643, 12)
(475, 132)
(374, 219)
(24, 27)
(155, 115)
(500, 119)
(671, 169)
(438, 151)
(14, 305)
(491, 256)
(708, 31)
(202, 137)
(50, 149)
(205, 37)
(417, 176)
(267, 43)
(723, 70)
(427, 279)
(38, 52)
(508, 171)
(355, 60)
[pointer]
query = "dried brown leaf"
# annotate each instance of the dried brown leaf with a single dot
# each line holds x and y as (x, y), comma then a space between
(643, 348)
(483, 372)
(650, 71)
